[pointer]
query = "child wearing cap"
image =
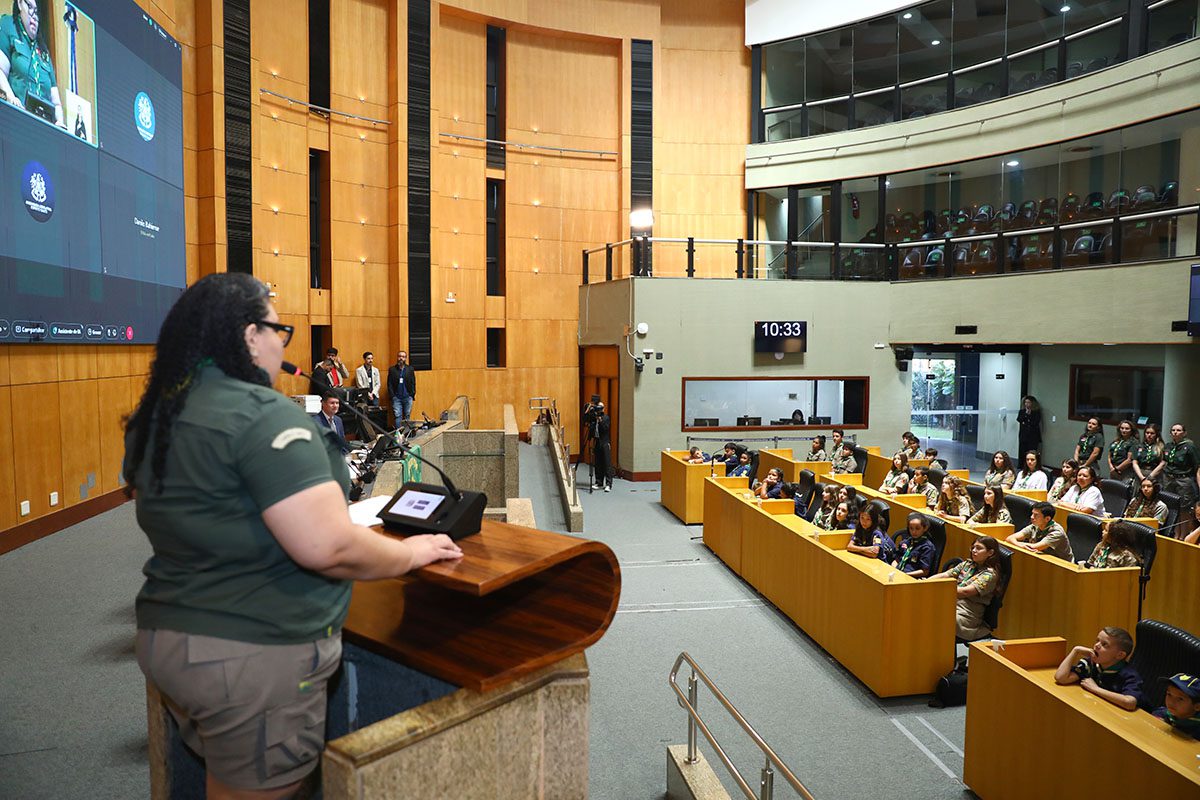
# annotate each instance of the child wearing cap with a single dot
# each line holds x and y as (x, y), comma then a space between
(1182, 709)
(1102, 669)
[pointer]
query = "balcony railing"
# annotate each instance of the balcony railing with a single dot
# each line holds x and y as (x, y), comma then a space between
(1147, 236)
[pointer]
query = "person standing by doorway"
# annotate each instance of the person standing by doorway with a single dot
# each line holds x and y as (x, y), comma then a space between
(1029, 425)
(600, 433)
(402, 386)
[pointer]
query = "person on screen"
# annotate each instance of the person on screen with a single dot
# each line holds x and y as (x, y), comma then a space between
(1103, 669)
(817, 453)
(241, 497)
(1031, 476)
(1146, 503)
(27, 78)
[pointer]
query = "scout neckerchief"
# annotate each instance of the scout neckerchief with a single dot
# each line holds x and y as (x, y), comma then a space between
(35, 63)
(909, 547)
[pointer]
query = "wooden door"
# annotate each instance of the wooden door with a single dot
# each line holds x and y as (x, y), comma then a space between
(599, 373)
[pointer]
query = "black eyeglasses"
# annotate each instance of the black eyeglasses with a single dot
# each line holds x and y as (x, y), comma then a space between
(285, 331)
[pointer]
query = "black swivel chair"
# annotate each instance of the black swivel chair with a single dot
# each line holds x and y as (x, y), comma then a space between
(1020, 508)
(976, 495)
(1160, 651)
(860, 459)
(991, 614)
(1173, 514)
(805, 484)
(1147, 550)
(1116, 496)
(1083, 531)
(813, 507)
(885, 514)
(753, 466)
(936, 476)
(937, 535)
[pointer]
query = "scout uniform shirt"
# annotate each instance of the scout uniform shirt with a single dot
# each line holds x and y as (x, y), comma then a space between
(994, 477)
(842, 465)
(1147, 458)
(876, 538)
(1060, 545)
(915, 552)
(236, 449)
(30, 69)
(1144, 508)
(928, 489)
(895, 480)
(1182, 459)
(1118, 450)
(1104, 557)
(819, 455)
(1120, 678)
(1089, 442)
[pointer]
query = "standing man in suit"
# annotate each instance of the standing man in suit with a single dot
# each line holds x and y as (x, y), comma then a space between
(402, 386)
(367, 377)
(328, 419)
(330, 373)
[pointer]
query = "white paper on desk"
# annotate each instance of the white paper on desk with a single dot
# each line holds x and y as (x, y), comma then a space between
(366, 512)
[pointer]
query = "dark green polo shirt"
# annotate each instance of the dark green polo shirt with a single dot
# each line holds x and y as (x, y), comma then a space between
(30, 68)
(236, 449)
(1089, 442)
(1147, 458)
(1182, 459)
(1119, 448)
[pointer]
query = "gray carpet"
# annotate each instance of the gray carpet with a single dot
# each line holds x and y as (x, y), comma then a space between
(72, 708)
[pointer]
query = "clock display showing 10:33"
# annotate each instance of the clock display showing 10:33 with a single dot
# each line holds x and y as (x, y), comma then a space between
(780, 336)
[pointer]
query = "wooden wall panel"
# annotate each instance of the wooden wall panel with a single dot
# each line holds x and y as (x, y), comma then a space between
(8, 490)
(36, 441)
(79, 414)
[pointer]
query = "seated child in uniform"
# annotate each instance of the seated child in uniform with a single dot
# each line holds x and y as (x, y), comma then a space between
(915, 552)
(791, 491)
(823, 512)
(1103, 669)
(742, 470)
(730, 459)
(869, 539)
(697, 456)
(1182, 709)
(771, 486)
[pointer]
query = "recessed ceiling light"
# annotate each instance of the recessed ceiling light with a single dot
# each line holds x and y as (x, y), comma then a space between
(1064, 9)
(936, 42)
(907, 15)
(1013, 163)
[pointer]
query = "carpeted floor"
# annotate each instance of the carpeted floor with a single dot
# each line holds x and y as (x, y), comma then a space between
(72, 708)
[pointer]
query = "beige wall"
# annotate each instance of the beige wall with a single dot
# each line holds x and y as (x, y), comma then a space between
(1153, 85)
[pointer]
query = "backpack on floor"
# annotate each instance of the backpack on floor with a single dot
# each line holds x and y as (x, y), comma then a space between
(951, 689)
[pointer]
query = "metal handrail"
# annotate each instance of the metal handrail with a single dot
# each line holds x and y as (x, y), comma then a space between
(323, 109)
(522, 146)
(688, 702)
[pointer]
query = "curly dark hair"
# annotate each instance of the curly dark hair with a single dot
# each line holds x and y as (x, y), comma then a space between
(205, 326)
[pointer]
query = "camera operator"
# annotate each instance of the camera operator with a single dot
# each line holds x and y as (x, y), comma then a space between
(596, 426)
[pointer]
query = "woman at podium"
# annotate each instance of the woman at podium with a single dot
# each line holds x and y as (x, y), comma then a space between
(243, 500)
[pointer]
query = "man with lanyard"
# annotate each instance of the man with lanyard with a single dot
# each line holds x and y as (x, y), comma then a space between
(1182, 470)
(402, 386)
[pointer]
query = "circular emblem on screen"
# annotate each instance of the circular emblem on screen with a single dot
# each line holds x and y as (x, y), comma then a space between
(143, 115)
(38, 192)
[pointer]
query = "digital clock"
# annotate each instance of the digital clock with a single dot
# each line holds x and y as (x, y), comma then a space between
(780, 336)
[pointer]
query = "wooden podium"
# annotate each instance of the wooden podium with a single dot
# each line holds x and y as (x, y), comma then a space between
(518, 600)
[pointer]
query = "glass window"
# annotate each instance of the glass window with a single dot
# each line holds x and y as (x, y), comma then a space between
(827, 117)
(1033, 69)
(1170, 24)
(783, 73)
(828, 59)
(875, 54)
(1093, 51)
(732, 403)
(924, 40)
(1033, 22)
(978, 31)
(860, 224)
(1029, 192)
(978, 85)
(771, 215)
(782, 125)
(874, 108)
(923, 99)
(1115, 393)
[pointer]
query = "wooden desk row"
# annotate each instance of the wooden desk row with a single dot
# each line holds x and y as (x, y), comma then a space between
(894, 633)
(1028, 737)
(1047, 596)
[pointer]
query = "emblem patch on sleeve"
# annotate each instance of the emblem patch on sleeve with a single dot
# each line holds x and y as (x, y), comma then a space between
(291, 435)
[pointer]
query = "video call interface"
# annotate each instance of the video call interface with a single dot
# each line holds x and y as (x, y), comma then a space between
(91, 172)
